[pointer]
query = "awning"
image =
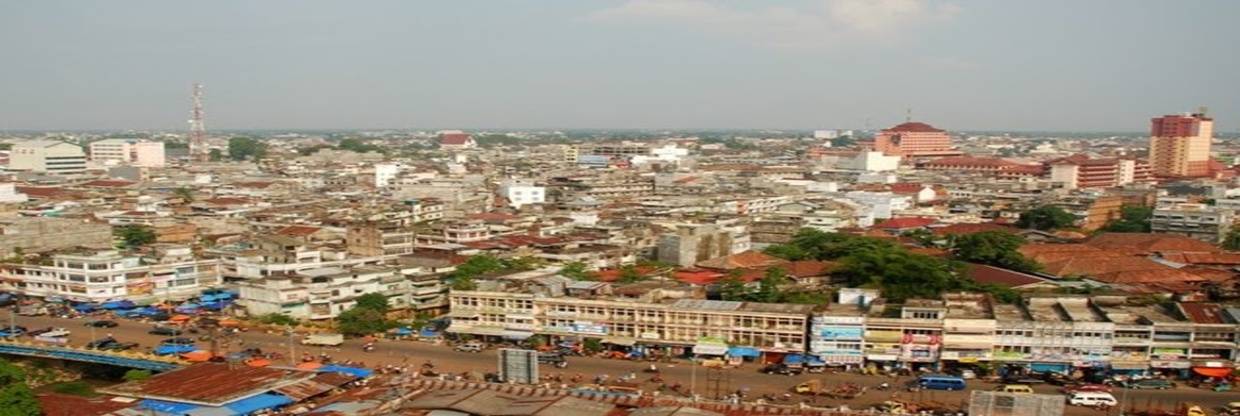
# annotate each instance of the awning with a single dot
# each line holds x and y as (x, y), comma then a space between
(353, 371)
(794, 359)
(1130, 365)
(259, 402)
(428, 333)
(744, 352)
(492, 331)
(1215, 372)
(1049, 368)
(167, 407)
(626, 342)
(517, 335)
(710, 349)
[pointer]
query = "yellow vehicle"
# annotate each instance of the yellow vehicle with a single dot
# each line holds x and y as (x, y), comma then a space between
(1193, 410)
(808, 387)
(1015, 388)
(1232, 409)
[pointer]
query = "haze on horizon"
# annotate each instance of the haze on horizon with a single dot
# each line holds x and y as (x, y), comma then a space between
(1106, 65)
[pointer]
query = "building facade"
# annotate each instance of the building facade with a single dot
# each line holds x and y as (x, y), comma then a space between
(47, 156)
(1180, 145)
(913, 139)
(110, 275)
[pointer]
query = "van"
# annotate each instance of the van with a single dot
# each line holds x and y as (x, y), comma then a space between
(940, 382)
(1151, 384)
(1015, 388)
(1092, 399)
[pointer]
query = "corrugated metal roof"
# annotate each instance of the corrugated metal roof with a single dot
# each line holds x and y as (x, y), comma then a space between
(211, 384)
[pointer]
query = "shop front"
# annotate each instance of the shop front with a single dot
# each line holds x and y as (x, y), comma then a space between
(1213, 370)
(1171, 362)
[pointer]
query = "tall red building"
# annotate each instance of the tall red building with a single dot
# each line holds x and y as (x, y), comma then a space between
(1180, 145)
(914, 139)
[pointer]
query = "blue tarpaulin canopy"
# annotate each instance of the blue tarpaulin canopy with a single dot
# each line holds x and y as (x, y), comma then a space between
(428, 333)
(169, 349)
(167, 407)
(404, 330)
(84, 307)
(1049, 368)
(744, 352)
(259, 402)
(120, 304)
(353, 371)
(814, 361)
(794, 359)
(188, 308)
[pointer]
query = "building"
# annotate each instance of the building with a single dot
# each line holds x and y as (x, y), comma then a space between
(9, 194)
(1081, 172)
(990, 166)
(385, 173)
(33, 235)
(914, 139)
(1180, 145)
(47, 156)
(521, 193)
(109, 275)
(456, 140)
(837, 330)
(871, 161)
(321, 293)
(689, 244)
(140, 153)
(1199, 221)
(378, 238)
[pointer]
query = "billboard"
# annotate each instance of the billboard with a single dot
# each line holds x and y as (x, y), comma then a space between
(518, 366)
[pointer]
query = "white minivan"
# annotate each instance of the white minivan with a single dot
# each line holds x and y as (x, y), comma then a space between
(1092, 399)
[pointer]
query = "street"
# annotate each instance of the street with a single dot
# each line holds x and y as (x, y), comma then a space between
(746, 378)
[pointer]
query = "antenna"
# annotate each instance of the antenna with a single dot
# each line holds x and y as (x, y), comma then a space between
(908, 114)
(197, 128)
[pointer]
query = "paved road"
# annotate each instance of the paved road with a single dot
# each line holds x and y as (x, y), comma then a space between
(746, 377)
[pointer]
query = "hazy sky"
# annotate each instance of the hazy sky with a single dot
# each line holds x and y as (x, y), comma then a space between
(987, 64)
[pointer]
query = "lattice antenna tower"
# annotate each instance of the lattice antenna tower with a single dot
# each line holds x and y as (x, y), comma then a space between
(198, 128)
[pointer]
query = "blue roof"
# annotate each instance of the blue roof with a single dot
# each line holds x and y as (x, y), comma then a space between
(259, 402)
(353, 371)
(744, 352)
(167, 407)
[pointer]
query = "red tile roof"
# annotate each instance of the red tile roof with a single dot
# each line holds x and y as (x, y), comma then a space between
(697, 277)
(744, 260)
(55, 404)
(1203, 313)
(454, 138)
(1144, 244)
(611, 275)
(298, 230)
(105, 183)
(984, 274)
(1222, 259)
(809, 268)
(905, 223)
(43, 191)
(963, 229)
(914, 127)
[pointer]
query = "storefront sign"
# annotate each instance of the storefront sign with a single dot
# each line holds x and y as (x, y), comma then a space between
(836, 332)
(650, 335)
(587, 327)
(1169, 364)
(1009, 356)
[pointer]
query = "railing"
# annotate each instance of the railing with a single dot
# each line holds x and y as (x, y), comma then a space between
(120, 359)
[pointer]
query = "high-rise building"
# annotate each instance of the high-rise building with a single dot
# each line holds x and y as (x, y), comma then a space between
(128, 152)
(1180, 145)
(914, 139)
(1081, 171)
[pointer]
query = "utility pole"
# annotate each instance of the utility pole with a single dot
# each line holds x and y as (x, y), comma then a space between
(292, 351)
(693, 377)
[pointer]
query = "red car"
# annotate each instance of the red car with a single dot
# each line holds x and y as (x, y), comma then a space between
(1100, 388)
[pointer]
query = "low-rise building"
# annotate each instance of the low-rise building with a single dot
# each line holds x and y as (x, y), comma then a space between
(111, 275)
(47, 156)
(1199, 221)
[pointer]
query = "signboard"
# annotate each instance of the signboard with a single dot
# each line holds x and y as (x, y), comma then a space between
(518, 366)
(837, 332)
(588, 327)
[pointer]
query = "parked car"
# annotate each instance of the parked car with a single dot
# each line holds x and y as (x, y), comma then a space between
(325, 340)
(100, 343)
(779, 368)
(164, 331)
(552, 358)
(178, 341)
(12, 331)
(940, 382)
(102, 323)
(1092, 399)
(1015, 388)
(471, 346)
(40, 331)
(119, 346)
(1151, 384)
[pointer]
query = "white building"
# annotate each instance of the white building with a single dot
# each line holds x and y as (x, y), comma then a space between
(9, 194)
(666, 154)
(521, 193)
(109, 275)
(874, 162)
(321, 293)
(385, 173)
(111, 152)
(47, 156)
(826, 134)
(881, 204)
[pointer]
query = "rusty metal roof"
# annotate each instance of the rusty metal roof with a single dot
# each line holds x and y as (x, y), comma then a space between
(209, 384)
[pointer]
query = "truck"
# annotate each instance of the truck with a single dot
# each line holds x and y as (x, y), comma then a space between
(323, 340)
(840, 391)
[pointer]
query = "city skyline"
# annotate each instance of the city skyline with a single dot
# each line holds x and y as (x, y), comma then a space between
(675, 64)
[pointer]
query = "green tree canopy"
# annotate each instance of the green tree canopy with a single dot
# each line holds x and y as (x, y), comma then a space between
(185, 193)
(373, 301)
(1132, 219)
(630, 274)
(732, 288)
(577, 271)
(137, 375)
(1046, 218)
(1232, 241)
(242, 148)
(361, 321)
(995, 248)
(357, 145)
(134, 235)
(16, 398)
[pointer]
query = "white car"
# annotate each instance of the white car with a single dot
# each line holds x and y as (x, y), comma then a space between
(1092, 399)
(968, 374)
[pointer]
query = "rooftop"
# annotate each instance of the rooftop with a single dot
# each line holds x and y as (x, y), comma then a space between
(210, 384)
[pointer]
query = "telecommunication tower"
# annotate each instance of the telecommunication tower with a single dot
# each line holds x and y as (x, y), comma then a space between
(197, 129)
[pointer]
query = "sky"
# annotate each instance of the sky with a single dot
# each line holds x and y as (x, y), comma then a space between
(1044, 65)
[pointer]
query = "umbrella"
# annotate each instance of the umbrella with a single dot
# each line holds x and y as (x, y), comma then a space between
(258, 362)
(179, 318)
(229, 323)
(197, 356)
(309, 366)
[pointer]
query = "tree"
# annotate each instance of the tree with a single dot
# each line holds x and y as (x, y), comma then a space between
(215, 155)
(74, 388)
(242, 148)
(1132, 219)
(995, 248)
(357, 145)
(922, 236)
(577, 271)
(629, 274)
(361, 321)
(463, 277)
(732, 288)
(277, 319)
(374, 301)
(134, 235)
(16, 398)
(185, 193)
(592, 345)
(768, 286)
(1045, 218)
(1232, 241)
(136, 375)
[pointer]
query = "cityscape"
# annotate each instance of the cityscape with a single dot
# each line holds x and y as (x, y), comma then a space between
(971, 234)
